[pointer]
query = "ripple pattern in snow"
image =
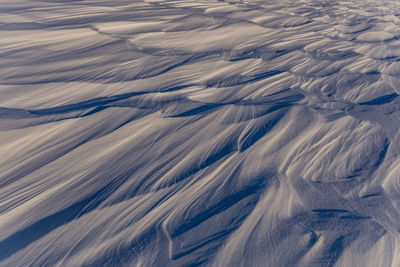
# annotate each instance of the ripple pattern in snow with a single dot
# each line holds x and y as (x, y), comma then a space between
(188, 133)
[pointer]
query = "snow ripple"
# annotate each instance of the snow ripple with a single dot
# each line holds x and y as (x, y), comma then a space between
(186, 133)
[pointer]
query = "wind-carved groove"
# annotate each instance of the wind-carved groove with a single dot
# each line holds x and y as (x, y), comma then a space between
(187, 133)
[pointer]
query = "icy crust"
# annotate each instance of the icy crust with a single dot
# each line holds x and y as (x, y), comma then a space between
(187, 133)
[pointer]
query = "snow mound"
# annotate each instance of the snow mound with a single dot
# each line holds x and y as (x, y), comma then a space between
(188, 133)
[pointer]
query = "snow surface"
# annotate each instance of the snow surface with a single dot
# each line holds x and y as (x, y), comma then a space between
(199, 132)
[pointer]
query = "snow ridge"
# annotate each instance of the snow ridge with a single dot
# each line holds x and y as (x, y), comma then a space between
(188, 133)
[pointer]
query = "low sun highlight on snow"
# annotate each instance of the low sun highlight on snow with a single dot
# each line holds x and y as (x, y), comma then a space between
(199, 133)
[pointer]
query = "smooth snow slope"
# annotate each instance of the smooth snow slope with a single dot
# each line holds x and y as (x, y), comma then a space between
(190, 132)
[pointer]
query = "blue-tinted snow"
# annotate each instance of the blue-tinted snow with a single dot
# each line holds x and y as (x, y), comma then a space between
(203, 132)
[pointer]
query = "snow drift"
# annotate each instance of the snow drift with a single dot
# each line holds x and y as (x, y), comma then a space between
(187, 133)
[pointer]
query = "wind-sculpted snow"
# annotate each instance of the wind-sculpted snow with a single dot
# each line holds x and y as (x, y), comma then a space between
(203, 132)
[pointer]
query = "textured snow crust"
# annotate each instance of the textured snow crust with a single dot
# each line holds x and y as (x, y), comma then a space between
(199, 132)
